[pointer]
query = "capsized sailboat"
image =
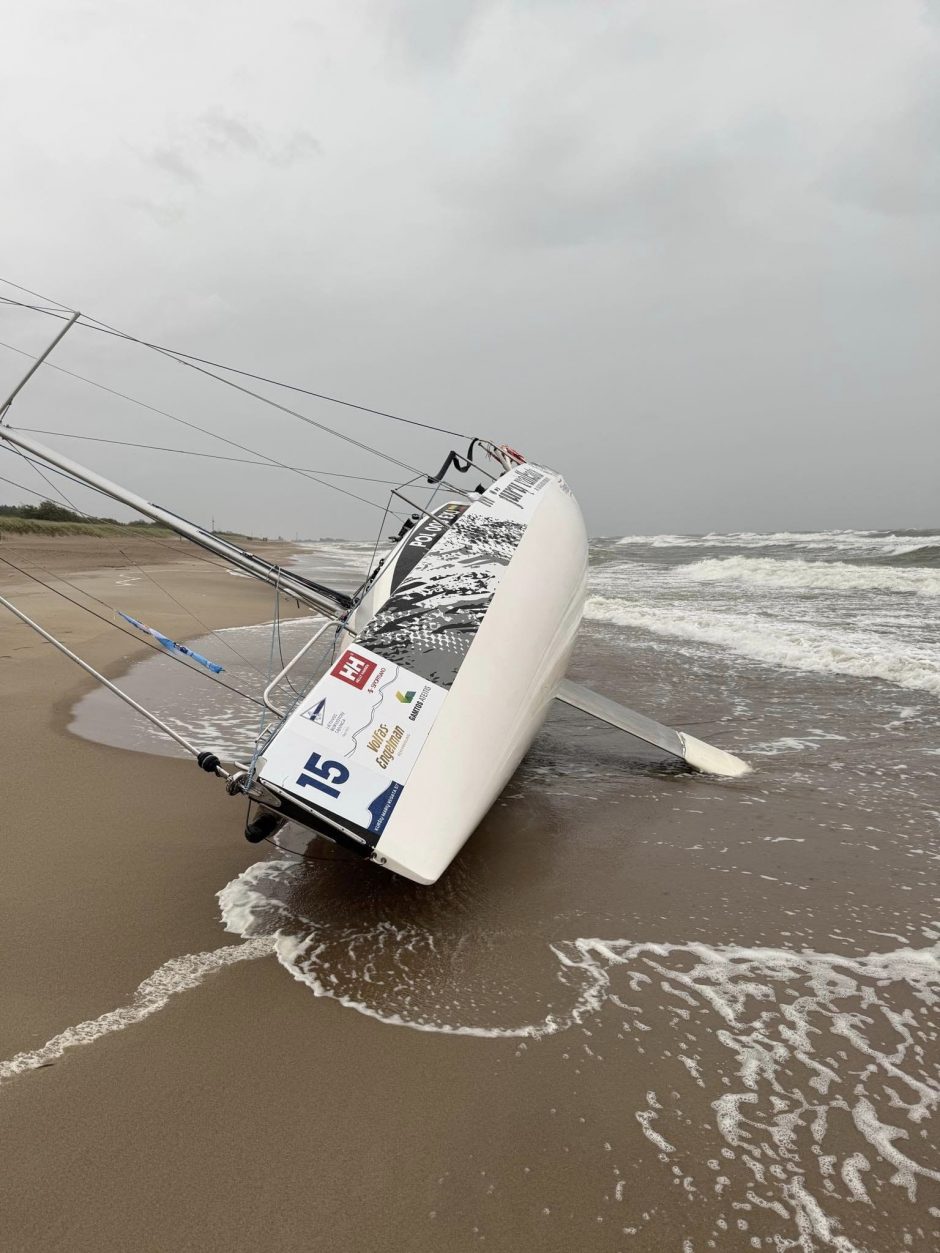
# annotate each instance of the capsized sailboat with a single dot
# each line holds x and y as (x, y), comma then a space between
(441, 668)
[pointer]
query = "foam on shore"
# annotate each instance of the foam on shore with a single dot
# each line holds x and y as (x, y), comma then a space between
(179, 974)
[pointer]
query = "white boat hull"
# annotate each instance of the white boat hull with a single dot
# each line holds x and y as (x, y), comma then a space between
(500, 697)
(414, 732)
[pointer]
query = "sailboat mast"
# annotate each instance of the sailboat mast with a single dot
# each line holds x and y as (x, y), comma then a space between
(325, 600)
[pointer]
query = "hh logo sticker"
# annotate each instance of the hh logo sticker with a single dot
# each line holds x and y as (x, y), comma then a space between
(353, 669)
(405, 697)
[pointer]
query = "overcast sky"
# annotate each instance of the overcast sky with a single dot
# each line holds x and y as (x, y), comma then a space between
(684, 251)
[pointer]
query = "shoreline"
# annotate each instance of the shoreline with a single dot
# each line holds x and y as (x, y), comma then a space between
(82, 818)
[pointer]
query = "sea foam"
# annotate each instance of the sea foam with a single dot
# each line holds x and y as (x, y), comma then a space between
(179, 974)
(835, 576)
(795, 646)
(885, 543)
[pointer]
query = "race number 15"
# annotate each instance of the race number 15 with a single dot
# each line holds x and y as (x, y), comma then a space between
(320, 774)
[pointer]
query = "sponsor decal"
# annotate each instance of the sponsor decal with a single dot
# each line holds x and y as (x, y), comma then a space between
(431, 531)
(390, 748)
(381, 808)
(316, 712)
(354, 669)
(526, 481)
(351, 747)
(377, 679)
(419, 703)
(385, 744)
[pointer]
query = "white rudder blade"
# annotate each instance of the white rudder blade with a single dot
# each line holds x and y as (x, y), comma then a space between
(698, 754)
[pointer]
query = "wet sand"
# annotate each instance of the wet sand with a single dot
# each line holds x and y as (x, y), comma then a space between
(645, 1010)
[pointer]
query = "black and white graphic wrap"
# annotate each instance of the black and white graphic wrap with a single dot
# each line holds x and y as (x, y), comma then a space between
(429, 623)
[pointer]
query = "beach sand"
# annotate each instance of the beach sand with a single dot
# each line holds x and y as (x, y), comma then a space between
(571, 1043)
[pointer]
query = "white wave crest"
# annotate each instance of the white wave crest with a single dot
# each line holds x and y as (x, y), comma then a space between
(844, 541)
(792, 645)
(836, 576)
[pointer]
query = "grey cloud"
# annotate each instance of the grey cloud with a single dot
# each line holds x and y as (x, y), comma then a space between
(893, 167)
(681, 251)
(429, 33)
(543, 196)
(223, 133)
(171, 161)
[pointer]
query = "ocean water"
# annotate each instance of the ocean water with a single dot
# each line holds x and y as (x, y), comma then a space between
(722, 997)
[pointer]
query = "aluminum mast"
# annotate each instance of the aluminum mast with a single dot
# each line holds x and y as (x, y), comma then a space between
(325, 600)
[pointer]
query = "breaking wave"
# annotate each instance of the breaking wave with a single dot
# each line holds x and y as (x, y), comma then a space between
(872, 542)
(796, 572)
(815, 649)
(928, 555)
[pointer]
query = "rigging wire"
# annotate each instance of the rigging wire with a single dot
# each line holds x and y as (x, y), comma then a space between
(19, 487)
(276, 626)
(188, 452)
(95, 324)
(193, 552)
(231, 369)
(186, 609)
(205, 627)
(52, 487)
(375, 548)
(195, 617)
(117, 626)
(202, 430)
